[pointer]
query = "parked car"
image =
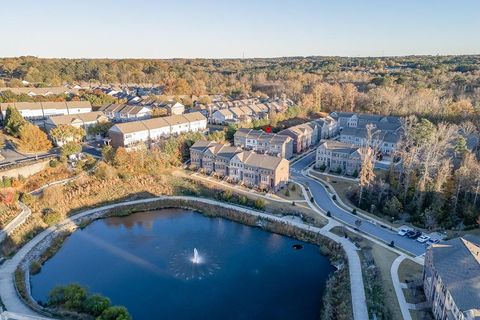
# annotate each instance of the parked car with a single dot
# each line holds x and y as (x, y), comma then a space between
(413, 234)
(403, 230)
(432, 241)
(423, 238)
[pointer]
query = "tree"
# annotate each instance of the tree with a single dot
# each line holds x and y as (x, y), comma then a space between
(115, 313)
(96, 304)
(100, 129)
(367, 173)
(70, 297)
(70, 148)
(32, 139)
(13, 121)
(393, 207)
(461, 146)
(65, 133)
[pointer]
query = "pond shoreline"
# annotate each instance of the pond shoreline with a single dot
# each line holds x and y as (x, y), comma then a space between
(43, 250)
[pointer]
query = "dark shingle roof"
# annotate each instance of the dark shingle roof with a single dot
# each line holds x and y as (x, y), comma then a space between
(458, 264)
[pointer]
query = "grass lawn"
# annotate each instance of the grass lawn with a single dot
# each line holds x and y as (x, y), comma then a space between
(409, 271)
(421, 315)
(383, 260)
(295, 192)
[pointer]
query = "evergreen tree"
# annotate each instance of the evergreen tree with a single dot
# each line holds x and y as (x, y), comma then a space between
(13, 121)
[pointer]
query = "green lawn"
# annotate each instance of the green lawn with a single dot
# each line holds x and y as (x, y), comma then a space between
(383, 259)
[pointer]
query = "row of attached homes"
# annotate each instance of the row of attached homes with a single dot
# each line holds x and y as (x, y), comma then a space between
(144, 131)
(33, 111)
(252, 169)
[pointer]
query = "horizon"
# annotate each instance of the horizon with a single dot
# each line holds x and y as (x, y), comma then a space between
(246, 58)
(213, 29)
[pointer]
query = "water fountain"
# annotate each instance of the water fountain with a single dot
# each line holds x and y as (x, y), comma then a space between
(187, 267)
(196, 258)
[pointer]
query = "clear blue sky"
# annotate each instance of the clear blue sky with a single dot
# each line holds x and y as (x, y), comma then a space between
(221, 29)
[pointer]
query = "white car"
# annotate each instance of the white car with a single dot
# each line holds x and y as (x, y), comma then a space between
(423, 238)
(403, 230)
(432, 241)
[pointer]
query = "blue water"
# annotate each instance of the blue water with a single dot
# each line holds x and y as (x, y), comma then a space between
(143, 262)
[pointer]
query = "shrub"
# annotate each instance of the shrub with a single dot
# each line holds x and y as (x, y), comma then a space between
(243, 200)
(96, 305)
(355, 173)
(226, 195)
(354, 211)
(259, 204)
(7, 182)
(339, 170)
(287, 193)
(53, 163)
(105, 171)
(322, 167)
(115, 313)
(51, 217)
(27, 199)
(293, 187)
(35, 267)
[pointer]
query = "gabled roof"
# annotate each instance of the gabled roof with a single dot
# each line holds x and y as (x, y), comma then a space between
(77, 118)
(194, 116)
(457, 262)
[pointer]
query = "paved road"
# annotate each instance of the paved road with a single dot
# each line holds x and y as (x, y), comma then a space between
(324, 200)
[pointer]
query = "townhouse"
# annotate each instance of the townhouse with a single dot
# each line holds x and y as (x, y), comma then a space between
(124, 112)
(386, 134)
(339, 156)
(303, 135)
(34, 111)
(81, 120)
(247, 167)
(222, 117)
(173, 108)
(451, 278)
(127, 134)
(262, 142)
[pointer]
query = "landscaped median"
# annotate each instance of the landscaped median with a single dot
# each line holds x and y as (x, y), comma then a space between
(44, 245)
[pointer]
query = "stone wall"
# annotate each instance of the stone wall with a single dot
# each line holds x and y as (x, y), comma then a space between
(26, 170)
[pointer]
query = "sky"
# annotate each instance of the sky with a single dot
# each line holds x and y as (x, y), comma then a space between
(235, 29)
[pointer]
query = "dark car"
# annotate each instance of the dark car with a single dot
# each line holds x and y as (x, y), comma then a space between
(414, 234)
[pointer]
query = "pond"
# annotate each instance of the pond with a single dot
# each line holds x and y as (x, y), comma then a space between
(180, 264)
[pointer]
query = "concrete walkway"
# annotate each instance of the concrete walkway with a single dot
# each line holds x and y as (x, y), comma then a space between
(14, 304)
(404, 306)
(16, 222)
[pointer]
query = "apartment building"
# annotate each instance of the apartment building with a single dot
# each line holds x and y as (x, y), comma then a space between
(34, 111)
(451, 279)
(131, 133)
(252, 169)
(335, 155)
(386, 134)
(263, 142)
